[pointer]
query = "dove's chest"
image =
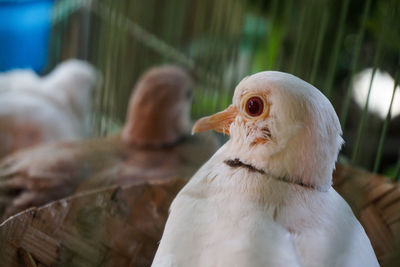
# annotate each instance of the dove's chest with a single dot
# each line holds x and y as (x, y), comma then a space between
(231, 227)
(211, 233)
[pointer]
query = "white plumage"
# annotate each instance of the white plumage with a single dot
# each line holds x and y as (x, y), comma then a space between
(39, 110)
(265, 197)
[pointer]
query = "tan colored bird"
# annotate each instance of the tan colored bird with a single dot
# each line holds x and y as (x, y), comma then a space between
(265, 197)
(155, 143)
(36, 110)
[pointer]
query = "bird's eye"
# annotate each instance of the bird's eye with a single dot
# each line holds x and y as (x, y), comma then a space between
(254, 106)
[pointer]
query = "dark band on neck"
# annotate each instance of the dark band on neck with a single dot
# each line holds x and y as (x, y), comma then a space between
(237, 163)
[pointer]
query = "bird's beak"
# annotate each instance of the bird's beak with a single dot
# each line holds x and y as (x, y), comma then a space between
(219, 122)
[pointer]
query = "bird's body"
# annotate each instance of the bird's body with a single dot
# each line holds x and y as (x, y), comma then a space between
(33, 177)
(252, 204)
(29, 118)
(36, 110)
(45, 173)
(221, 211)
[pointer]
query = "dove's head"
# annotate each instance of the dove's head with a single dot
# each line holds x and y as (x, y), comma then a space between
(281, 125)
(159, 108)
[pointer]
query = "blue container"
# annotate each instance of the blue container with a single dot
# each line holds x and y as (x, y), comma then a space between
(24, 33)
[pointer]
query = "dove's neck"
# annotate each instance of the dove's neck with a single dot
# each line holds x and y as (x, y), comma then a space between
(147, 133)
(237, 163)
(272, 163)
(220, 180)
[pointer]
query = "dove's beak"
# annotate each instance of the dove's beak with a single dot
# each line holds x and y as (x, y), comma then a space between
(219, 122)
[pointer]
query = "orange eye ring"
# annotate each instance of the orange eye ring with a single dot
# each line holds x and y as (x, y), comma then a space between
(254, 106)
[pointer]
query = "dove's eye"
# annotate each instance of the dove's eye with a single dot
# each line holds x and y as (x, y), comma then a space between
(254, 106)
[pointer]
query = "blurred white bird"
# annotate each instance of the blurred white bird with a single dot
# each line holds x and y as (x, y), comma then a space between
(154, 144)
(265, 197)
(37, 110)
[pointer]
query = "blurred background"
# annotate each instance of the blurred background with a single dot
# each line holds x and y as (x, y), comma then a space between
(350, 50)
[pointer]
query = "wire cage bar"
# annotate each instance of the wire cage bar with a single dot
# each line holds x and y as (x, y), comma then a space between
(324, 42)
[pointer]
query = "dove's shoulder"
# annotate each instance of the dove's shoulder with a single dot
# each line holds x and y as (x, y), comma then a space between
(330, 235)
(355, 246)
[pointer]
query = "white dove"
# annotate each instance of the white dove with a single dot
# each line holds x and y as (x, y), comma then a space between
(265, 197)
(36, 110)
